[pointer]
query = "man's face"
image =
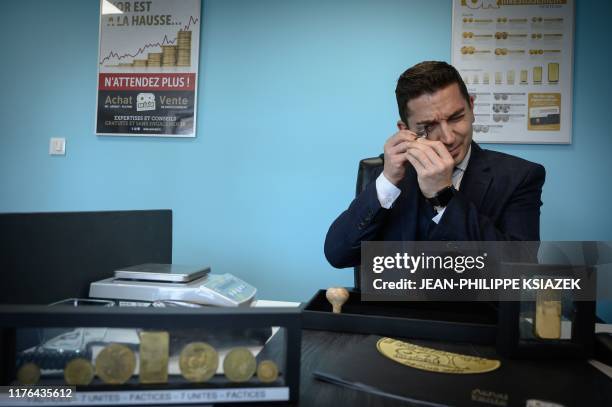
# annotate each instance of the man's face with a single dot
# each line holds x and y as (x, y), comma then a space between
(446, 116)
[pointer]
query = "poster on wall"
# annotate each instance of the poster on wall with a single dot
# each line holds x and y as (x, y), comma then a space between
(516, 58)
(148, 68)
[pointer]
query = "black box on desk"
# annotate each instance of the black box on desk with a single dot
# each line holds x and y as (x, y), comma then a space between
(474, 322)
(31, 334)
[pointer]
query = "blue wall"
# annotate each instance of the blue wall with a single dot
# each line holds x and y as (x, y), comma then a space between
(291, 95)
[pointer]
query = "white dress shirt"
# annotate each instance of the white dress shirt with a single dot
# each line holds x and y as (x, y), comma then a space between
(387, 192)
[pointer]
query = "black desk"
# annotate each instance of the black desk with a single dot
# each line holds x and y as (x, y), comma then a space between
(320, 346)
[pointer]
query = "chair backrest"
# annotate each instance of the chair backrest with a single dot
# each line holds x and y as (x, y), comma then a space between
(369, 169)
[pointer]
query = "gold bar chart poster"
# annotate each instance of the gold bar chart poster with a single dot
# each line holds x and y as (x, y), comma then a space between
(148, 56)
(516, 58)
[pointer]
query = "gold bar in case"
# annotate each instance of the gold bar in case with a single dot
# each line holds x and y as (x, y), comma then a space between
(154, 351)
(548, 315)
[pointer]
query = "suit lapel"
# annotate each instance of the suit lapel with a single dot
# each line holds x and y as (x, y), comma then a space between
(477, 177)
(409, 205)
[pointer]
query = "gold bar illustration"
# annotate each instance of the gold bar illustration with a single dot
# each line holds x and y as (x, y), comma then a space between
(537, 74)
(553, 72)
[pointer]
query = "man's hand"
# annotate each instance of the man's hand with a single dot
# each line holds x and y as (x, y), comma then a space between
(396, 149)
(433, 163)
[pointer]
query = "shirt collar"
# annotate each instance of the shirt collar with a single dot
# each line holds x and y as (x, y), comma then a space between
(464, 163)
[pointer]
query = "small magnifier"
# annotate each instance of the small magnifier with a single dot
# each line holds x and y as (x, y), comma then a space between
(420, 130)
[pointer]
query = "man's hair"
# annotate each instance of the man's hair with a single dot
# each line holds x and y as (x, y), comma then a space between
(425, 78)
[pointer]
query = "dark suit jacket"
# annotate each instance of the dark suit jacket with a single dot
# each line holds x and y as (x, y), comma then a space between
(499, 199)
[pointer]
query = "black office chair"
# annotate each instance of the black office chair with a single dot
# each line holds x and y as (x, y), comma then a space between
(369, 169)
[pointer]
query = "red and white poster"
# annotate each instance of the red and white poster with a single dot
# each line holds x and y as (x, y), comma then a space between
(148, 68)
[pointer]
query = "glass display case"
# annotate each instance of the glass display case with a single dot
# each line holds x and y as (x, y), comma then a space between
(142, 355)
(548, 323)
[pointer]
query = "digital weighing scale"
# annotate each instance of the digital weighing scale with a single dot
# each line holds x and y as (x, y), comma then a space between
(171, 282)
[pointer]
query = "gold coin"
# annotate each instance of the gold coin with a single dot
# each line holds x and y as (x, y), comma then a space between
(198, 362)
(239, 365)
(434, 360)
(78, 372)
(267, 372)
(29, 373)
(115, 364)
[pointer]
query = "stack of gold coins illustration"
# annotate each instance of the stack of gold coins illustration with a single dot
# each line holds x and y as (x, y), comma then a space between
(154, 59)
(501, 51)
(183, 41)
(168, 55)
(115, 364)
(140, 62)
(468, 50)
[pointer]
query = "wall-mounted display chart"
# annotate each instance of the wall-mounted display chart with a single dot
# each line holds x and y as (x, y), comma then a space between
(516, 58)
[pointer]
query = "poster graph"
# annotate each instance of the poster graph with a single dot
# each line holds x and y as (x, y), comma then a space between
(148, 68)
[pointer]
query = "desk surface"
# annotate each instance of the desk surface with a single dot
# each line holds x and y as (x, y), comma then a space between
(317, 348)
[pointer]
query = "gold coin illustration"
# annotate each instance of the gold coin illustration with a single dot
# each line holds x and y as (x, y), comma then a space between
(115, 364)
(29, 373)
(78, 372)
(434, 360)
(239, 365)
(267, 372)
(198, 362)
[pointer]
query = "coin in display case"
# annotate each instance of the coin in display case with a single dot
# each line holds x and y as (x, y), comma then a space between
(29, 373)
(78, 372)
(239, 365)
(267, 371)
(115, 364)
(198, 362)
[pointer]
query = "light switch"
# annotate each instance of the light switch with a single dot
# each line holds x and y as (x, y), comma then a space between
(57, 146)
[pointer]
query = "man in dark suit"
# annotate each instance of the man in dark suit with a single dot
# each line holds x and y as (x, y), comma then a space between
(437, 184)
